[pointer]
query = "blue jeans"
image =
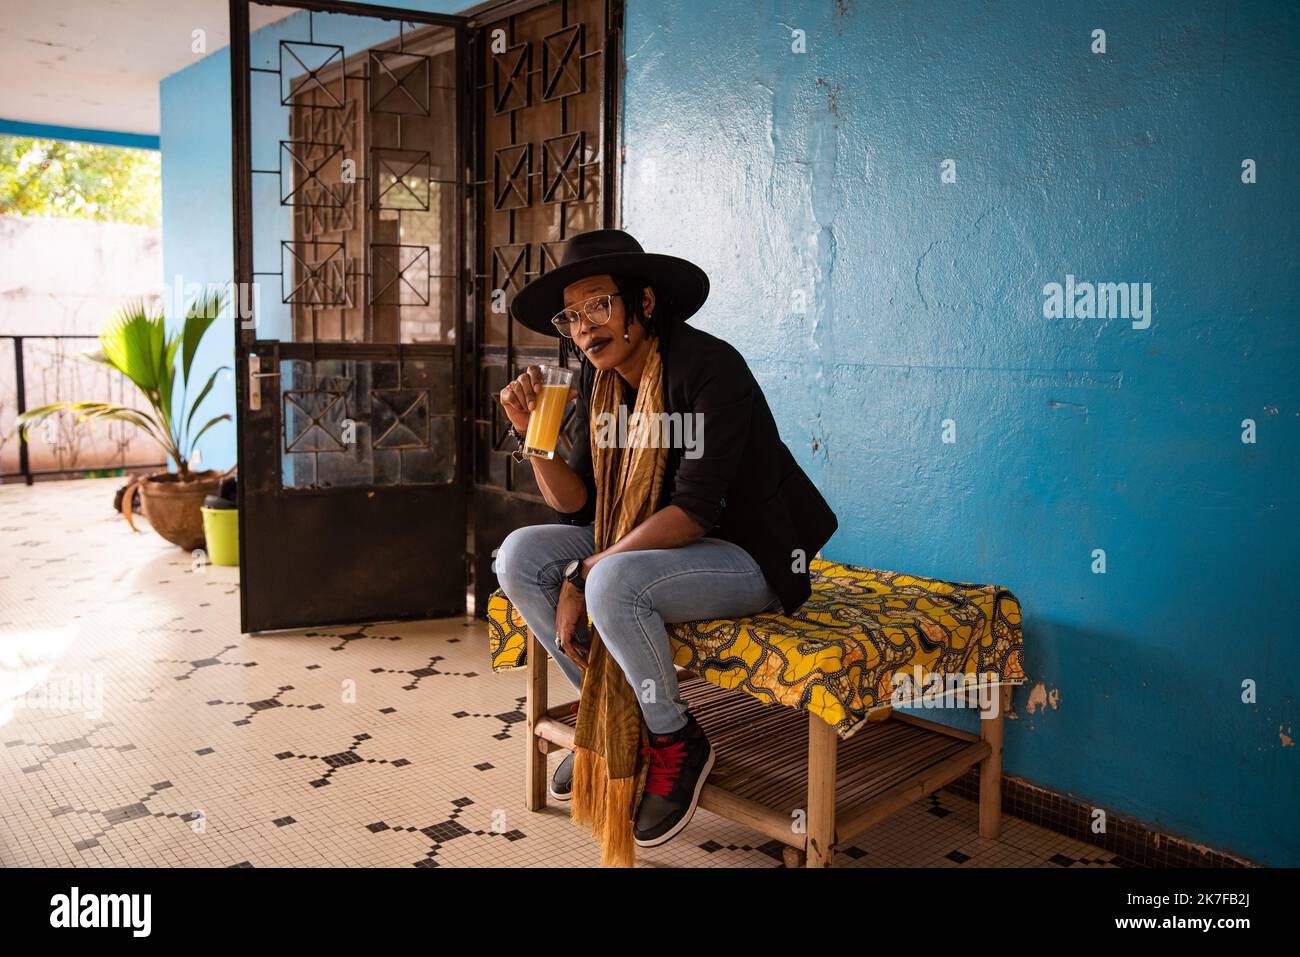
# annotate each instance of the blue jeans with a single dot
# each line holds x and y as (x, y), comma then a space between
(629, 597)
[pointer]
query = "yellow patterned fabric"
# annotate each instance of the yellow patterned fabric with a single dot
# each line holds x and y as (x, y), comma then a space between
(837, 656)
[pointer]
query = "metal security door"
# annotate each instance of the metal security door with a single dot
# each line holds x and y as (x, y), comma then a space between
(545, 153)
(349, 210)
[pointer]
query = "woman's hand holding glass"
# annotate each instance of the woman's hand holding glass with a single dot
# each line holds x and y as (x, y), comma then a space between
(519, 397)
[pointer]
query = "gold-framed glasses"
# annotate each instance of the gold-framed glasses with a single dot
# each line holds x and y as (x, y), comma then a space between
(595, 310)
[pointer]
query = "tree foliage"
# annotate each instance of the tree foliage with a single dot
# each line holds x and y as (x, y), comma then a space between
(41, 177)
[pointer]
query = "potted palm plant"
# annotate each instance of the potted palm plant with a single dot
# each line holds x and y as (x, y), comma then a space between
(136, 344)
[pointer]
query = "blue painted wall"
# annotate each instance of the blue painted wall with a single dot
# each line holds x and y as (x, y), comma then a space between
(874, 302)
(820, 172)
(197, 227)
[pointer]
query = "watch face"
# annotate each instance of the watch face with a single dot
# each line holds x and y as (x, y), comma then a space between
(571, 569)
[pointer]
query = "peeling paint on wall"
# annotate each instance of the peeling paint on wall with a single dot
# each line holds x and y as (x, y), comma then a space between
(1040, 698)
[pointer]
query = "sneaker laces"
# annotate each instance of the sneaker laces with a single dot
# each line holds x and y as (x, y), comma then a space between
(665, 767)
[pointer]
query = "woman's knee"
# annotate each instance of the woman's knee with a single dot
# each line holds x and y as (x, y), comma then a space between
(520, 557)
(611, 589)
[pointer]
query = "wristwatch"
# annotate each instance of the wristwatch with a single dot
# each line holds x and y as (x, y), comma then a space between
(573, 574)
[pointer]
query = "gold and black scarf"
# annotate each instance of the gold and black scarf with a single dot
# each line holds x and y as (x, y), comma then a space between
(608, 777)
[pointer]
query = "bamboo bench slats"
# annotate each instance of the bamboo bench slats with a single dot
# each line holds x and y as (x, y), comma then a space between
(761, 774)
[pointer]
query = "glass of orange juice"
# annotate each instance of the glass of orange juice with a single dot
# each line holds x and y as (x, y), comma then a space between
(544, 420)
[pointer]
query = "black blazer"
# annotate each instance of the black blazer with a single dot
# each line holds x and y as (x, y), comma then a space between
(742, 483)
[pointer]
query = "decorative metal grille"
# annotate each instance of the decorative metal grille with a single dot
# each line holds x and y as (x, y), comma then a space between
(359, 423)
(541, 131)
(367, 181)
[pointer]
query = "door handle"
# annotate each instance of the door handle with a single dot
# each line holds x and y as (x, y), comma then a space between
(255, 377)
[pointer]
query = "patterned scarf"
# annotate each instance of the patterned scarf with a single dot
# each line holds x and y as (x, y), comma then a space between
(607, 781)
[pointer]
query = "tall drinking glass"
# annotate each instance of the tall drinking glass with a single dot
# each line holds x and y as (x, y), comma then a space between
(544, 420)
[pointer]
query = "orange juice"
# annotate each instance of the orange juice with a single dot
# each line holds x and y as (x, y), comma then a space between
(544, 420)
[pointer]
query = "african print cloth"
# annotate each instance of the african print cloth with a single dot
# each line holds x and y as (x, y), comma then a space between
(837, 656)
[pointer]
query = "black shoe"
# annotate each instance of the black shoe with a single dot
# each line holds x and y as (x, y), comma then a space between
(679, 765)
(561, 787)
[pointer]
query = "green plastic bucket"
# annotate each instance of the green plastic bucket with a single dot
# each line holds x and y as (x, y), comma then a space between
(221, 529)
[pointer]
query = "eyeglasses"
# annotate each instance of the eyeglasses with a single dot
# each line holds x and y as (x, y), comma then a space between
(595, 310)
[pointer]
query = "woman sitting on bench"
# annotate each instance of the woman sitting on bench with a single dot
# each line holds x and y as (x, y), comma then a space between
(657, 528)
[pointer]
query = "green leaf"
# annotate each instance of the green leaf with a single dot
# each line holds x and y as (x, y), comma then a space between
(134, 416)
(34, 417)
(224, 417)
(200, 316)
(97, 357)
(86, 411)
(166, 385)
(202, 395)
(133, 342)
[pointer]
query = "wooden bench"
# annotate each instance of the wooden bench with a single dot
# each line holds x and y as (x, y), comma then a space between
(813, 753)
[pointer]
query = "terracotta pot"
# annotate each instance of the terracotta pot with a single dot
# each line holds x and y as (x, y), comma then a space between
(174, 508)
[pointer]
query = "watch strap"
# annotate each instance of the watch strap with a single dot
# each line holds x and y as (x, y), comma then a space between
(576, 579)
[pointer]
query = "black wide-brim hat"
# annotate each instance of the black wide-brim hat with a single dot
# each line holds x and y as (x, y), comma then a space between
(679, 284)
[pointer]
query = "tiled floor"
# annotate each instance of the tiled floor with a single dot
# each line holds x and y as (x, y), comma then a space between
(190, 744)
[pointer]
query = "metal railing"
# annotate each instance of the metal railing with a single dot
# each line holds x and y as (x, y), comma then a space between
(76, 449)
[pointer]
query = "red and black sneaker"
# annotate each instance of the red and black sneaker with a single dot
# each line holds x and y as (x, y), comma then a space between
(679, 765)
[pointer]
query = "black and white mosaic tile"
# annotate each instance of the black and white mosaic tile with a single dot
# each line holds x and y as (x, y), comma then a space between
(191, 744)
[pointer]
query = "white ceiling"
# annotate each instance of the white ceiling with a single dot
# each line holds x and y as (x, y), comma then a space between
(96, 64)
